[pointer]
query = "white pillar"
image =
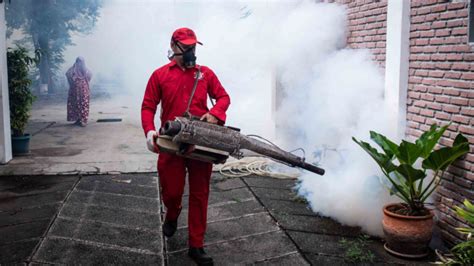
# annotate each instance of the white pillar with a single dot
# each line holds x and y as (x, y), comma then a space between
(5, 138)
(396, 65)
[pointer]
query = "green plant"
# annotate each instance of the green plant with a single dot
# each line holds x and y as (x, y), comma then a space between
(398, 164)
(462, 253)
(21, 98)
(356, 251)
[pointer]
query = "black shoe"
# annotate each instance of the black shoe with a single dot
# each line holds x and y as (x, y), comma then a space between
(199, 256)
(169, 228)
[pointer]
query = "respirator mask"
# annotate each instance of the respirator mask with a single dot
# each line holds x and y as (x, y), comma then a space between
(189, 57)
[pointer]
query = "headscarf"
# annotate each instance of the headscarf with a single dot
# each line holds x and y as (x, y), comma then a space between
(79, 69)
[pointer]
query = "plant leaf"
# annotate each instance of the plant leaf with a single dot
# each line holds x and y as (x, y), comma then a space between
(408, 152)
(442, 158)
(428, 140)
(411, 174)
(382, 160)
(387, 145)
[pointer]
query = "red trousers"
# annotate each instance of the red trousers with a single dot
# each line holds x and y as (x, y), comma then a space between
(172, 173)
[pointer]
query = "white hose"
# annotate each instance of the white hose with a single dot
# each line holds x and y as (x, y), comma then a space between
(253, 166)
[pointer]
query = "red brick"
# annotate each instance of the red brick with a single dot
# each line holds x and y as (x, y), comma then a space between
(443, 33)
(451, 109)
(442, 116)
(427, 112)
(414, 95)
(454, 40)
(459, 5)
(436, 41)
(449, 14)
(434, 106)
(435, 90)
(436, 74)
(413, 109)
(460, 101)
(452, 75)
(442, 99)
(460, 119)
(459, 31)
(452, 92)
(468, 76)
(419, 119)
(466, 130)
(469, 57)
(455, 23)
(430, 33)
(422, 41)
(438, 8)
(443, 65)
(417, 19)
(438, 24)
(438, 57)
(428, 97)
(454, 57)
(467, 111)
(461, 66)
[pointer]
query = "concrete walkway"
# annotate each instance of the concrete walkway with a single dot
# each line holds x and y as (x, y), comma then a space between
(115, 219)
(91, 196)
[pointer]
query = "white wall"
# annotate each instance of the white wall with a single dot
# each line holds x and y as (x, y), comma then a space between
(5, 139)
(396, 65)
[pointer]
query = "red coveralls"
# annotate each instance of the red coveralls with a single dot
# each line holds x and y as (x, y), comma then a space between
(172, 86)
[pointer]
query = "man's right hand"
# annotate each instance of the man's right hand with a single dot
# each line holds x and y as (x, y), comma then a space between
(151, 137)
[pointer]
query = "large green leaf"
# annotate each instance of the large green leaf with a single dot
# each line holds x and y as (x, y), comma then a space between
(442, 158)
(387, 146)
(428, 140)
(408, 152)
(411, 174)
(382, 160)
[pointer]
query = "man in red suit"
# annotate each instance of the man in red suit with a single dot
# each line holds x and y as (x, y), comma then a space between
(172, 85)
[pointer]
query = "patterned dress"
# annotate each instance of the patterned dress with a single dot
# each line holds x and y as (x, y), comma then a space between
(79, 93)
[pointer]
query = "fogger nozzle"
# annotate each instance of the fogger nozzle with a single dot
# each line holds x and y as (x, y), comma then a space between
(195, 132)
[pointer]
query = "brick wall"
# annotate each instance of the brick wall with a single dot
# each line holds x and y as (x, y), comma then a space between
(367, 21)
(440, 91)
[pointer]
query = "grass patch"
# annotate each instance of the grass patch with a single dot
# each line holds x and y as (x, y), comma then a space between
(356, 250)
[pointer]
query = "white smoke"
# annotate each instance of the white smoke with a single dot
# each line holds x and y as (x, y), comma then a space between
(326, 94)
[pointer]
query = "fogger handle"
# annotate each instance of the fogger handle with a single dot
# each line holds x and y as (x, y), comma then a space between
(313, 168)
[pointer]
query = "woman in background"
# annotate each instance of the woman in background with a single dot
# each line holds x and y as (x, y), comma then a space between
(78, 77)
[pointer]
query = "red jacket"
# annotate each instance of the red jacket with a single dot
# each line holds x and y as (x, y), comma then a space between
(172, 86)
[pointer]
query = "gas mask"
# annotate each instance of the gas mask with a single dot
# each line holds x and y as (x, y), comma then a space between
(189, 58)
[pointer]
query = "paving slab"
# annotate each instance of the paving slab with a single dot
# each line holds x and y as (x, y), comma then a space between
(291, 259)
(218, 197)
(275, 194)
(315, 224)
(21, 232)
(17, 252)
(287, 207)
(119, 188)
(28, 215)
(19, 203)
(267, 182)
(247, 250)
(226, 229)
(133, 179)
(225, 211)
(150, 240)
(117, 201)
(66, 251)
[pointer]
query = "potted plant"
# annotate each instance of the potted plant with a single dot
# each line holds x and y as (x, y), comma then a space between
(20, 95)
(462, 253)
(408, 167)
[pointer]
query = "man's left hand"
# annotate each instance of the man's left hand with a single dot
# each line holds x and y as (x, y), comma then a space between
(209, 118)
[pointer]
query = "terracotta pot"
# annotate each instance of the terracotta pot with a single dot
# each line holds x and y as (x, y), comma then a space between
(407, 236)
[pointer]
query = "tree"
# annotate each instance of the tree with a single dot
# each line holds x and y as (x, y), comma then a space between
(47, 25)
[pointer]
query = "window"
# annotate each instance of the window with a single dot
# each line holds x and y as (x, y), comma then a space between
(471, 21)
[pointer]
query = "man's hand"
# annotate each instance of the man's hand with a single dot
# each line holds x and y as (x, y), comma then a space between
(151, 137)
(209, 118)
